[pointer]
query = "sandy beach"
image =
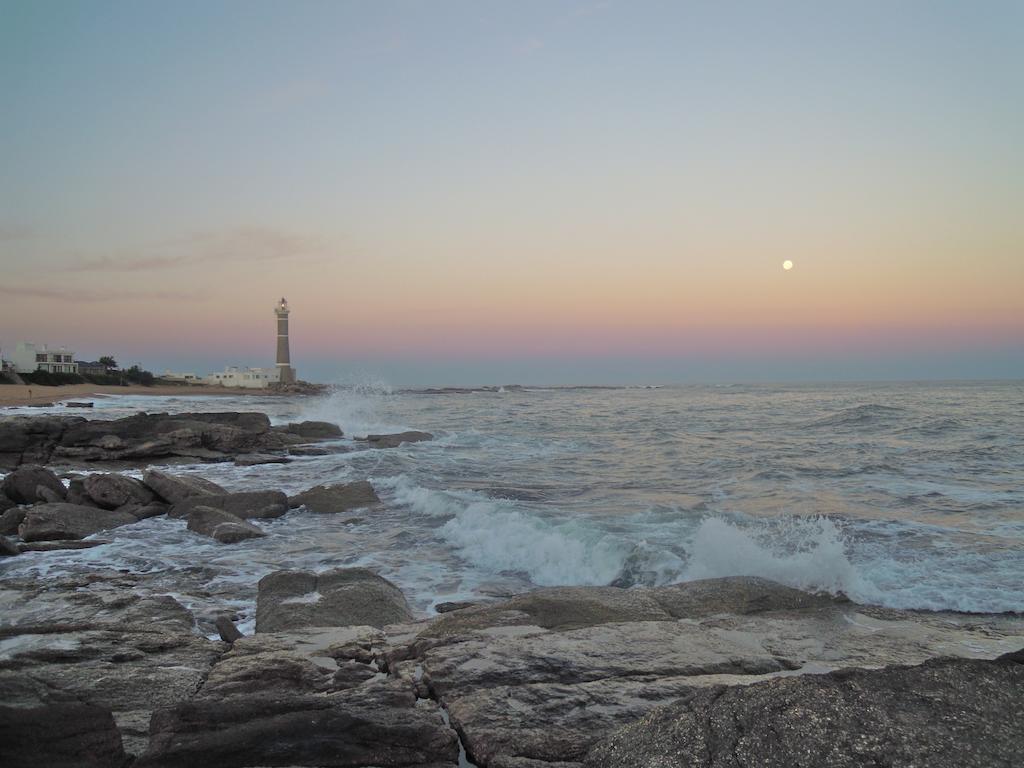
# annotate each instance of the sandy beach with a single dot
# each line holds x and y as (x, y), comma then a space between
(20, 395)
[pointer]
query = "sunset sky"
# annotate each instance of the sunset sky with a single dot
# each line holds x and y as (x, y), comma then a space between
(536, 192)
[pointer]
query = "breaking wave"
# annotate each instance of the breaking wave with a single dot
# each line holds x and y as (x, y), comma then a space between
(496, 535)
(806, 553)
(356, 407)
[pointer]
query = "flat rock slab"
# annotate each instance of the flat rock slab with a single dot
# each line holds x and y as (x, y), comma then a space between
(342, 597)
(945, 713)
(57, 545)
(176, 488)
(258, 504)
(93, 639)
(45, 522)
(257, 459)
(315, 430)
(544, 676)
(44, 726)
(336, 498)
(378, 724)
(397, 439)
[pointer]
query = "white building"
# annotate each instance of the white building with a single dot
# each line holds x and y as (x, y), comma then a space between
(188, 378)
(250, 378)
(28, 357)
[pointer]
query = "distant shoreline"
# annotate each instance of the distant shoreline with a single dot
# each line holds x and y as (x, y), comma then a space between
(13, 395)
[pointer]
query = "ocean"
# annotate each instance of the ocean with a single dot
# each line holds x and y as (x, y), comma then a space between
(908, 495)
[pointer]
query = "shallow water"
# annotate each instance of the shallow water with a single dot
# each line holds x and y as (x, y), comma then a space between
(906, 495)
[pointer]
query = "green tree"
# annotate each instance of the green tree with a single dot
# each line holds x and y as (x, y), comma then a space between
(108, 361)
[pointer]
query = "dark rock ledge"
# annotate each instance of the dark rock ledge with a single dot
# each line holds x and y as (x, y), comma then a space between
(247, 438)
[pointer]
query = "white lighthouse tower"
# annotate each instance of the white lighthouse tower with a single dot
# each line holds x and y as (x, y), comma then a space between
(286, 374)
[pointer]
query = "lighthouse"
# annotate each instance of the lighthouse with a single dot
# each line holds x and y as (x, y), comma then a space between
(286, 374)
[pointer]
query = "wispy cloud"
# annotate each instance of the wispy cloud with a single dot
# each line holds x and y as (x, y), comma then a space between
(241, 245)
(87, 296)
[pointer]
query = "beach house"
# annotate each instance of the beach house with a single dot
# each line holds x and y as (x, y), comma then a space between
(29, 357)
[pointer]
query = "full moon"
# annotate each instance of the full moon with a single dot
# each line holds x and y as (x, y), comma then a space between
(787, 265)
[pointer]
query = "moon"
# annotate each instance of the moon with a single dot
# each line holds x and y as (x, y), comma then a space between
(787, 265)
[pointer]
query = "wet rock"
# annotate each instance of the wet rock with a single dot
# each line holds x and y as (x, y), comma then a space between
(258, 504)
(221, 525)
(10, 520)
(256, 459)
(48, 495)
(58, 544)
(45, 726)
(153, 509)
(953, 713)
(592, 660)
(8, 548)
(176, 488)
(322, 430)
(338, 598)
(227, 630)
(310, 450)
(111, 491)
(45, 522)
(21, 484)
(455, 606)
(375, 724)
(30, 439)
(5, 503)
(395, 440)
(336, 498)
(77, 494)
(138, 439)
(94, 638)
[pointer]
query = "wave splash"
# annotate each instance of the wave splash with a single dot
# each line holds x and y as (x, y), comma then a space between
(356, 407)
(805, 553)
(496, 536)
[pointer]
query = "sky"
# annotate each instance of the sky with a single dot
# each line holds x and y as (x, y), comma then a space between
(518, 192)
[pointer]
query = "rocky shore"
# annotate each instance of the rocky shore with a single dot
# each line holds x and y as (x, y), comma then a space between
(723, 672)
(340, 672)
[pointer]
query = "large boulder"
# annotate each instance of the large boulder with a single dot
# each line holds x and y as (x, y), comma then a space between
(336, 498)
(10, 520)
(111, 491)
(316, 430)
(45, 522)
(339, 598)
(245, 504)
(945, 713)
(44, 726)
(222, 526)
(177, 488)
(77, 494)
(395, 440)
(21, 484)
(5, 503)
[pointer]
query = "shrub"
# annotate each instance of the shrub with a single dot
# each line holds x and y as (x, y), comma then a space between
(48, 379)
